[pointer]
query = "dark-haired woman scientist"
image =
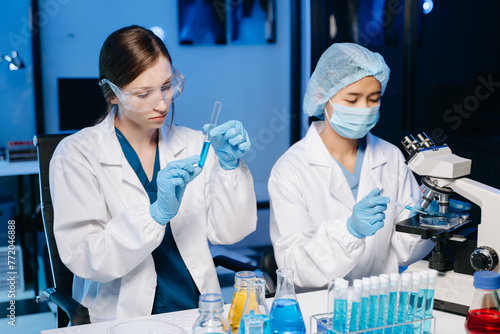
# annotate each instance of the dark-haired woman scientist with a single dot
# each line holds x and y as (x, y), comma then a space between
(132, 211)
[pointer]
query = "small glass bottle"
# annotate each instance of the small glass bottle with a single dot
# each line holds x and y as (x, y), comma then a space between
(256, 306)
(211, 318)
(484, 311)
(285, 311)
(239, 298)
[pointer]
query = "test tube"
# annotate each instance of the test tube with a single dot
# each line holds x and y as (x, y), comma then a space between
(403, 300)
(419, 314)
(372, 319)
(206, 143)
(382, 302)
(357, 287)
(336, 304)
(412, 302)
(393, 298)
(365, 303)
(429, 299)
(340, 305)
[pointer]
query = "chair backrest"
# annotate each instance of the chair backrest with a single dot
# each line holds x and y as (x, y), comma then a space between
(62, 276)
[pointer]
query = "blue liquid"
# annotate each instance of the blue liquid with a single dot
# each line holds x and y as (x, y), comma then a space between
(403, 303)
(286, 317)
(336, 315)
(382, 307)
(391, 312)
(203, 154)
(265, 319)
(343, 316)
(372, 322)
(429, 306)
(419, 314)
(363, 316)
(353, 325)
(410, 316)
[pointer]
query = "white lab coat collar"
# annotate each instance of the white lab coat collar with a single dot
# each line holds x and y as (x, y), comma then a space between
(319, 157)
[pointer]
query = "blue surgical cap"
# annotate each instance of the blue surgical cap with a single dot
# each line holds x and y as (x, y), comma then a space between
(341, 65)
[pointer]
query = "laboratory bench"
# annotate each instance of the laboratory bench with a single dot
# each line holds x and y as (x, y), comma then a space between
(311, 303)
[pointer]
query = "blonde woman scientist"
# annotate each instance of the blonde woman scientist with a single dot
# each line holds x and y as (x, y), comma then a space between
(329, 192)
(132, 210)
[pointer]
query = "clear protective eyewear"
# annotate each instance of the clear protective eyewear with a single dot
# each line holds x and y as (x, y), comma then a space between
(146, 100)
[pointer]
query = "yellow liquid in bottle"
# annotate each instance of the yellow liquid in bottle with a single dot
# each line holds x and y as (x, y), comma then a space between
(236, 309)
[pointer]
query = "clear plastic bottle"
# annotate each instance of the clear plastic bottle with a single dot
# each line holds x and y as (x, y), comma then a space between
(211, 318)
(239, 298)
(256, 306)
(484, 311)
(286, 316)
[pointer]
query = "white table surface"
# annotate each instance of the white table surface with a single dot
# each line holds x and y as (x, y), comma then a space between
(310, 303)
(18, 168)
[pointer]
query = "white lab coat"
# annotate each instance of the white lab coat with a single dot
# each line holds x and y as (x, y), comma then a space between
(311, 202)
(105, 233)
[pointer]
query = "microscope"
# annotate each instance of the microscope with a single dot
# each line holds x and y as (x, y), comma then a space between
(443, 174)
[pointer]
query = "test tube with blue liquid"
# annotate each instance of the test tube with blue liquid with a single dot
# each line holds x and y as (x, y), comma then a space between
(382, 302)
(403, 301)
(212, 124)
(357, 287)
(412, 302)
(429, 300)
(393, 299)
(422, 290)
(365, 303)
(374, 294)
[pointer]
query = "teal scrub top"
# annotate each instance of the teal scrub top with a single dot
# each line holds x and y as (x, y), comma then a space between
(175, 289)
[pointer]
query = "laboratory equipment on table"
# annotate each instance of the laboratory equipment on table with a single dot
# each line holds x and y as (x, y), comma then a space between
(484, 312)
(372, 317)
(443, 174)
(357, 285)
(256, 307)
(337, 290)
(206, 142)
(392, 306)
(239, 298)
(286, 316)
(211, 318)
(252, 325)
(365, 303)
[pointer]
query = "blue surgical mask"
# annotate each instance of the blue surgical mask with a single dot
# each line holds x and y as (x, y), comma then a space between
(353, 122)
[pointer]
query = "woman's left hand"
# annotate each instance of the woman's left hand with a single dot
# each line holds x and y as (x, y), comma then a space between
(230, 141)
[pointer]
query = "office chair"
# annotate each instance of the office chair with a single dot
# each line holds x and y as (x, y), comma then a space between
(74, 313)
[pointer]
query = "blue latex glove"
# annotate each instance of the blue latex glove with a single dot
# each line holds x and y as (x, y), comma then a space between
(230, 141)
(172, 181)
(368, 215)
(433, 208)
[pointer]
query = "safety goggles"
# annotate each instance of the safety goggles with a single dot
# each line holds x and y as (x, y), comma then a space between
(148, 99)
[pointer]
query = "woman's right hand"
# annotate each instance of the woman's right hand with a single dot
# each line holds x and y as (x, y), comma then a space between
(368, 215)
(172, 181)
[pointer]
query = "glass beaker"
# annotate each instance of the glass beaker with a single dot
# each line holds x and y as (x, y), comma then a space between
(484, 311)
(285, 311)
(252, 325)
(255, 306)
(239, 298)
(211, 318)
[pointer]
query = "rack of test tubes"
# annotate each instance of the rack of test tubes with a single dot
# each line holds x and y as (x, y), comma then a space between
(384, 304)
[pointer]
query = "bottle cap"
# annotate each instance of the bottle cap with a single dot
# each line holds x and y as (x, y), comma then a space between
(487, 280)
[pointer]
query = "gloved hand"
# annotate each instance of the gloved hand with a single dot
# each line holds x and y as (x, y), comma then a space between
(172, 181)
(368, 215)
(433, 208)
(230, 141)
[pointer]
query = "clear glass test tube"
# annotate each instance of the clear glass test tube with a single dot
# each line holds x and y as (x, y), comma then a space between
(213, 122)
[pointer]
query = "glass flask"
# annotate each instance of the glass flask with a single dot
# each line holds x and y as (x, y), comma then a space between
(285, 311)
(484, 311)
(211, 318)
(239, 298)
(252, 325)
(255, 306)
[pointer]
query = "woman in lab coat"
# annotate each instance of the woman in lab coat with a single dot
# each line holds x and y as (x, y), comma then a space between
(132, 210)
(330, 191)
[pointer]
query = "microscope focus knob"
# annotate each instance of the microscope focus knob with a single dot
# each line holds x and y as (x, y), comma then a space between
(484, 258)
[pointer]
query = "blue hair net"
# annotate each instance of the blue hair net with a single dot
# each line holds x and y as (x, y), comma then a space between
(341, 65)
